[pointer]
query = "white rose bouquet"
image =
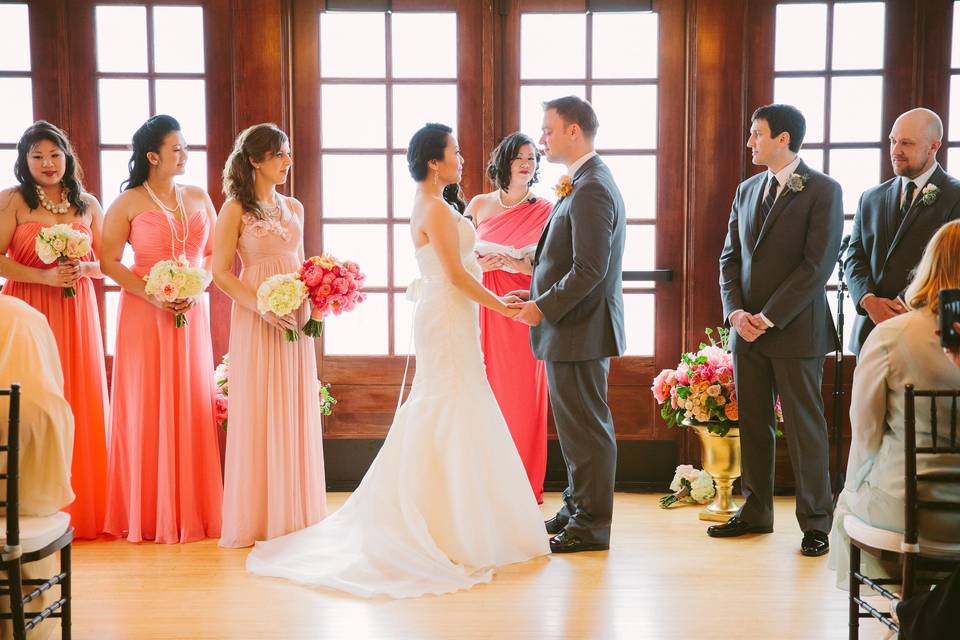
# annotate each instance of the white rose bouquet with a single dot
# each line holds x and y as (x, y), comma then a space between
(282, 294)
(171, 280)
(689, 485)
(60, 243)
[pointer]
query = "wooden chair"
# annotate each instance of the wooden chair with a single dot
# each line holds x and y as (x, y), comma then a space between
(919, 558)
(27, 540)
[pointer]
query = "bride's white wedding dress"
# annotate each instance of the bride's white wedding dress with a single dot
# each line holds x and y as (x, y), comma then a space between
(447, 499)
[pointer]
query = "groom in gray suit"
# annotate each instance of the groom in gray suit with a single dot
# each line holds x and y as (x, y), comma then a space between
(782, 245)
(575, 310)
(896, 219)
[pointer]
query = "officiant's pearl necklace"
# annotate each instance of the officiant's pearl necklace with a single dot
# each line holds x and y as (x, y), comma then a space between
(511, 206)
(169, 214)
(62, 207)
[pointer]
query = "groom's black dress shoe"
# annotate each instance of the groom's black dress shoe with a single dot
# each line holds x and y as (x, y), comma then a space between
(735, 527)
(555, 525)
(565, 542)
(815, 543)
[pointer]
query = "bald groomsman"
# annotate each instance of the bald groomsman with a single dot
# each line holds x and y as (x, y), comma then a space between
(896, 219)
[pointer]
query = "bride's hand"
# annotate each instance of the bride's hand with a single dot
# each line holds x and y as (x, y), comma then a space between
(523, 294)
(511, 298)
(510, 312)
(282, 323)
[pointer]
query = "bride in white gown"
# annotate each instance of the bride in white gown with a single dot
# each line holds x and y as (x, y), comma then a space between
(447, 499)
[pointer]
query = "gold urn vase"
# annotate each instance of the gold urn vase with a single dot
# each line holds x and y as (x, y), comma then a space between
(721, 459)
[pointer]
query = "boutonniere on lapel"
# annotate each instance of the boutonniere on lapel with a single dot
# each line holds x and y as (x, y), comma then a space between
(929, 194)
(563, 187)
(796, 182)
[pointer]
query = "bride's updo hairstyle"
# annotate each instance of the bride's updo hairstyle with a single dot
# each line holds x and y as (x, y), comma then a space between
(430, 143)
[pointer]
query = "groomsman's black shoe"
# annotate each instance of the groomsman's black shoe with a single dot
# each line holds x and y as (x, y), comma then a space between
(555, 525)
(735, 527)
(815, 543)
(565, 542)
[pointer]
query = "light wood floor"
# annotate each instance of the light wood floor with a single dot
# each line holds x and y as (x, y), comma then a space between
(662, 579)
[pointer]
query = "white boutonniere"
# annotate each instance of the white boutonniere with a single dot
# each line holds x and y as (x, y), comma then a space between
(929, 194)
(796, 182)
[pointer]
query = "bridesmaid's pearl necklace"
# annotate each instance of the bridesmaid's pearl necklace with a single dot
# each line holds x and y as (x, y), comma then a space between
(62, 207)
(511, 206)
(169, 213)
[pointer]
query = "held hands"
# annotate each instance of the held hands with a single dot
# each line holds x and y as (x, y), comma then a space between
(64, 275)
(283, 323)
(881, 309)
(748, 326)
(176, 307)
(527, 312)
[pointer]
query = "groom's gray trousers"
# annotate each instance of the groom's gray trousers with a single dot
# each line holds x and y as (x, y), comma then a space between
(578, 396)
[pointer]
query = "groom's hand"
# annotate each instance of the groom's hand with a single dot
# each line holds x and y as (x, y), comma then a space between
(523, 294)
(529, 313)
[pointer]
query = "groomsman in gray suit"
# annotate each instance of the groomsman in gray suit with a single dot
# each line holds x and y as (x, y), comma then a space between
(895, 221)
(782, 245)
(575, 310)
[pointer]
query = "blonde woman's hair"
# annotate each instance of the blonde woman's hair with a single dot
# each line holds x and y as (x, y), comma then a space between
(252, 145)
(939, 268)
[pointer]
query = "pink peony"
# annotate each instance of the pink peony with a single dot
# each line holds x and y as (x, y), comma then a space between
(661, 386)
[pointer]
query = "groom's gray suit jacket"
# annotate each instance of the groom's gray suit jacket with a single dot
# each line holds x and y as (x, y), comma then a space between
(577, 276)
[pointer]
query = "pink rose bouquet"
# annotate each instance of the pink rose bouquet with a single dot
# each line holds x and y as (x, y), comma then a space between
(333, 287)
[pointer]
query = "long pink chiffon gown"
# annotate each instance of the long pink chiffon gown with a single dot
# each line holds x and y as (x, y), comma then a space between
(518, 380)
(75, 323)
(273, 477)
(164, 462)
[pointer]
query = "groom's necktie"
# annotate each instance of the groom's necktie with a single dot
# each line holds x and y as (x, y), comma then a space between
(907, 202)
(768, 200)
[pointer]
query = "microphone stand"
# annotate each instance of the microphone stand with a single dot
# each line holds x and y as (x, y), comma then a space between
(837, 425)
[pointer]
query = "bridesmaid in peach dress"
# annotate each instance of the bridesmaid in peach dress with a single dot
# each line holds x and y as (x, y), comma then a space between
(511, 217)
(164, 462)
(51, 192)
(273, 478)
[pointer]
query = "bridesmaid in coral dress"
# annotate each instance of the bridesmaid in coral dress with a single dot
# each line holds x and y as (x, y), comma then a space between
(51, 192)
(511, 217)
(164, 462)
(273, 477)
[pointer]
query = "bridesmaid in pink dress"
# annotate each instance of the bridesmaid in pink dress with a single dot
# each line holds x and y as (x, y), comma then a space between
(510, 216)
(164, 462)
(51, 192)
(273, 478)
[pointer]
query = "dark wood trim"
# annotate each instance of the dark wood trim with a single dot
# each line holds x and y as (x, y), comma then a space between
(932, 40)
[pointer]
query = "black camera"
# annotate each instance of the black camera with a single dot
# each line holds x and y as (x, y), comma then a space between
(949, 314)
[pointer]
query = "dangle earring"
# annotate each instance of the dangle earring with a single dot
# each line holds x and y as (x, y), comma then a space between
(436, 177)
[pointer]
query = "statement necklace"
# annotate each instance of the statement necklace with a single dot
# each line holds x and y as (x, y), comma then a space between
(62, 207)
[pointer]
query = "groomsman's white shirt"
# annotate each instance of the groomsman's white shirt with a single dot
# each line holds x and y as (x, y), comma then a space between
(572, 169)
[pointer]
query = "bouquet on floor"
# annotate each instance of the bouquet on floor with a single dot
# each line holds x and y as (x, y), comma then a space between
(171, 280)
(690, 485)
(282, 294)
(333, 287)
(220, 378)
(61, 243)
(701, 389)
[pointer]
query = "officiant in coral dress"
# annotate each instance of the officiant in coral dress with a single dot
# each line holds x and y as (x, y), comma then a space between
(509, 222)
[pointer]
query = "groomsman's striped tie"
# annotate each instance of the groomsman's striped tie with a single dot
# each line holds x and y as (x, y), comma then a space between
(769, 199)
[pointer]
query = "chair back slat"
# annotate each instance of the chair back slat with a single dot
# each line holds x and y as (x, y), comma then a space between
(953, 421)
(910, 532)
(933, 421)
(12, 502)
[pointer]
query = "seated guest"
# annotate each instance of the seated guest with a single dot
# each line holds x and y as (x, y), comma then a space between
(900, 351)
(28, 357)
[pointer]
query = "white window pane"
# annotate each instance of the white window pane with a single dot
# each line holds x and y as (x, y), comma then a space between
(640, 252)
(186, 101)
(404, 188)
(404, 260)
(627, 115)
(847, 228)
(553, 45)
(424, 45)
(636, 176)
(858, 35)
(196, 170)
(856, 170)
(8, 158)
(801, 37)
(112, 299)
(550, 173)
(354, 186)
(121, 38)
(954, 107)
(532, 98)
(126, 259)
(15, 43)
(813, 158)
(855, 107)
(124, 107)
(849, 315)
(955, 38)
(178, 39)
(953, 160)
(365, 244)
(415, 105)
(353, 116)
(361, 332)
(16, 108)
(352, 45)
(625, 45)
(805, 94)
(638, 315)
(113, 171)
(402, 324)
